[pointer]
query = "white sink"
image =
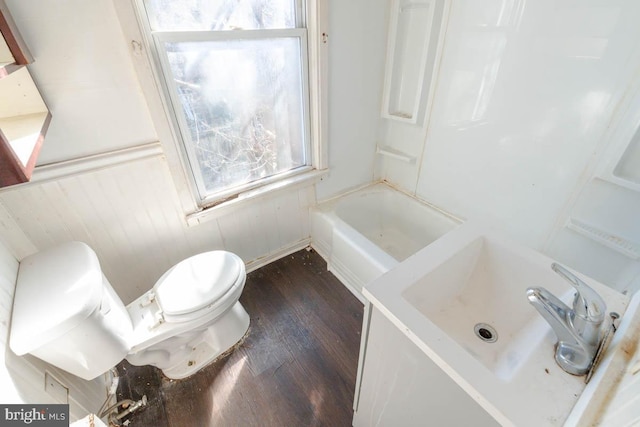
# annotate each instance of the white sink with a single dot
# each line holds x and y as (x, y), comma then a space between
(471, 280)
(484, 284)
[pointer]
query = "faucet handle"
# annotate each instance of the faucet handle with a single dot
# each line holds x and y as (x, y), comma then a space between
(587, 304)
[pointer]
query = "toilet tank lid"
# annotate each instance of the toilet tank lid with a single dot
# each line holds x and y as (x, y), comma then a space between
(198, 281)
(56, 289)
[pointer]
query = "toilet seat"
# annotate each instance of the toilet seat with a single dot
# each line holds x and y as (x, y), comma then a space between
(194, 286)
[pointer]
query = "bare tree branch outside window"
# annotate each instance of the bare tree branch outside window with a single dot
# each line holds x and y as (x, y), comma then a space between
(242, 99)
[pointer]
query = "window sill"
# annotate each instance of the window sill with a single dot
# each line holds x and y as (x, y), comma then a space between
(239, 202)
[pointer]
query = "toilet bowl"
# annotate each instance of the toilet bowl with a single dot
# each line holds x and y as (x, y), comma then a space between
(66, 313)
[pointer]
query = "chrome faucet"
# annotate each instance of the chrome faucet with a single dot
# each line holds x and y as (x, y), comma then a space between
(577, 329)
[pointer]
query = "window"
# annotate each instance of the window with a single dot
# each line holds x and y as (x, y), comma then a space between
(236, 76)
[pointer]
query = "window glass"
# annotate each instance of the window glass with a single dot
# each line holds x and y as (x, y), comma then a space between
(242, 102)
(235, 75)
(219, 15)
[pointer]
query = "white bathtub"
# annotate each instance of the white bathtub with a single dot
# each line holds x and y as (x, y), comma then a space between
(365, 233)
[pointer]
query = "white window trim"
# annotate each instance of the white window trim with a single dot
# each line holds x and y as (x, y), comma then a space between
(179, 121)
(150, 78)
(282, 184)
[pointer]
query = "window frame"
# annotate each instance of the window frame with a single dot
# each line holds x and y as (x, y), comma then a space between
(310, 16)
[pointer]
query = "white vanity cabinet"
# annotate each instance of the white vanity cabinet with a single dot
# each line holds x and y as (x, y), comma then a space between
(398, 385)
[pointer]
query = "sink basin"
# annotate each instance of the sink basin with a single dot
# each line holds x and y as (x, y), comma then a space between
(462, 300)
(478, 298)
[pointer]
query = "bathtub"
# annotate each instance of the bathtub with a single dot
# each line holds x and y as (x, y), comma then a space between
(363, 234)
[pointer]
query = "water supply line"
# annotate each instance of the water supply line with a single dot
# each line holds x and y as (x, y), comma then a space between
(114, 407)
(139, 404)
(127, 404)
(115, 380)
(129, 407)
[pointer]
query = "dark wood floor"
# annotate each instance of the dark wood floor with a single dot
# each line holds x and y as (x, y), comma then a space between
(297, 366)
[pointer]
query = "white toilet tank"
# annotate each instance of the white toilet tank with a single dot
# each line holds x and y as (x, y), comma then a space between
(66, 313)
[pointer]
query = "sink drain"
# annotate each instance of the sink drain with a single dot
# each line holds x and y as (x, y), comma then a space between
(486, 332)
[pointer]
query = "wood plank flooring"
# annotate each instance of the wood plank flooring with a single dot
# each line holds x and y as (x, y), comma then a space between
(296, 367)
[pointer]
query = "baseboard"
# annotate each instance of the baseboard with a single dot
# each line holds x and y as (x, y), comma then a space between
(274, 256)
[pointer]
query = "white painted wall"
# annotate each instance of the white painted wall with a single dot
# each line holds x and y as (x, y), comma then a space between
(357, 37)
(82, 68)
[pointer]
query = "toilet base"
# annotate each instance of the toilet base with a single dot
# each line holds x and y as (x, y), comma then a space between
(198, 348)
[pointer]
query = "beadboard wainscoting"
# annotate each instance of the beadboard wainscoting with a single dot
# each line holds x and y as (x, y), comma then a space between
(128, 211)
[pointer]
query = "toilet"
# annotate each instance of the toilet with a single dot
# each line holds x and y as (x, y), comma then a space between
(66, 313)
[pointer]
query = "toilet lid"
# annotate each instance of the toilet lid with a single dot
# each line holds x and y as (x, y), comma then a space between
(197, 282)
(57, 289)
